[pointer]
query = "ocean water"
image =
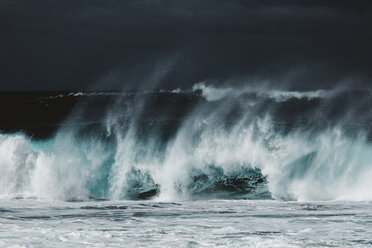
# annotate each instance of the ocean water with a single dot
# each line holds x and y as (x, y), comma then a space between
(208, 166)
(201, 223)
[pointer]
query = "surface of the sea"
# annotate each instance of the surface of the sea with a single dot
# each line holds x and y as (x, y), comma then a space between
(201, 223)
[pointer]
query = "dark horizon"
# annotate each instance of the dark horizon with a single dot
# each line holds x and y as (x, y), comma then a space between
(133, 45)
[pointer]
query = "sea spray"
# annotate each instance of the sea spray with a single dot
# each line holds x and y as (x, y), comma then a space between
(205, 143)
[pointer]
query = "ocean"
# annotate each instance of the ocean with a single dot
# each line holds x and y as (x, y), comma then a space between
(204, 167)
(198, 223)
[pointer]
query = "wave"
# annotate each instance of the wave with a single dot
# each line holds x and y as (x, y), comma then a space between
(207, 142)
(212, 93)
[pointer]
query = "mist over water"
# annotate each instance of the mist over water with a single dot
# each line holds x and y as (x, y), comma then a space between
(203, 143)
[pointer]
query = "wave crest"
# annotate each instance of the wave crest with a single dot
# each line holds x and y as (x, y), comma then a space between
(174, 145)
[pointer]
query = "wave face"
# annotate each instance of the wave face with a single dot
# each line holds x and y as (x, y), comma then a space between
(204, 143)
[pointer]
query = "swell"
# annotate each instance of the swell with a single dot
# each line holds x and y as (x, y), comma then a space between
(205, 143)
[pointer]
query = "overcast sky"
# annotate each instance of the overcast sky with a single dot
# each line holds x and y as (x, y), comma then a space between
(136, 44)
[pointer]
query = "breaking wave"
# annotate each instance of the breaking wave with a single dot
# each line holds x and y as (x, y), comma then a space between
(204, 143)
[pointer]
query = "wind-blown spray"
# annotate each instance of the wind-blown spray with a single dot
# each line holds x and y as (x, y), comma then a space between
(205, 143)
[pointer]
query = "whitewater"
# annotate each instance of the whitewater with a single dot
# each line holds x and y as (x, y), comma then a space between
(204, 167)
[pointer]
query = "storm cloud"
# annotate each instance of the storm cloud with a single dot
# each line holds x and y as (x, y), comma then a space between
(112, 44)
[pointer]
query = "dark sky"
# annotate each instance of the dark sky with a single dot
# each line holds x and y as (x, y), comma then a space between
(136, 44)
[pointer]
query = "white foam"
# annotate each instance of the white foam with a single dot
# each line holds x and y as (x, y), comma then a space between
(300, 165)
(212, 93)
